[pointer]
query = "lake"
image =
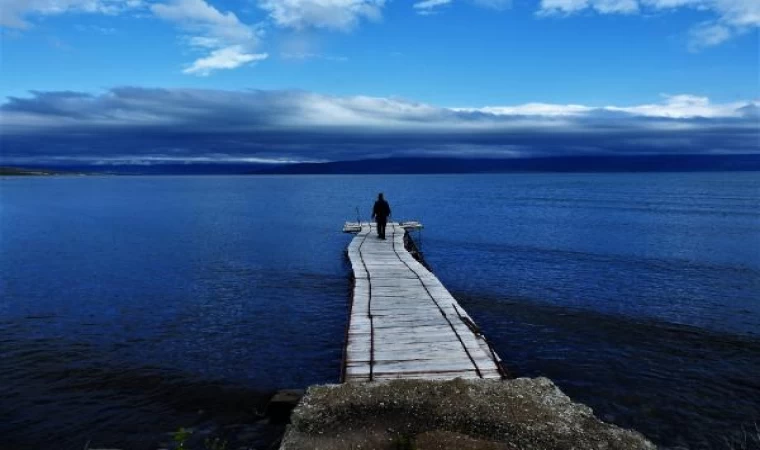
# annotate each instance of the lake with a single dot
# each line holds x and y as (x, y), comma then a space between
(129, 306)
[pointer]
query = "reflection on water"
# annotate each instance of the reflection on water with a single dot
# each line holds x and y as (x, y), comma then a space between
(129, 304)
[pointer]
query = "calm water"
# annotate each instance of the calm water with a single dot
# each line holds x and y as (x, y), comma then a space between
(128, 304)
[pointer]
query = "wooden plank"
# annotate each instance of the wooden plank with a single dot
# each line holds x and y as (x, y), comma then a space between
(358, 345)
(454, 364)
(440, 356)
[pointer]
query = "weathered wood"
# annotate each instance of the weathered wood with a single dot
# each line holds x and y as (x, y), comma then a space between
(403, 321)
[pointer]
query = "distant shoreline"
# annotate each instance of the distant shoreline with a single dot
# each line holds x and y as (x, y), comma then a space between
(7, 171)
(419, 165)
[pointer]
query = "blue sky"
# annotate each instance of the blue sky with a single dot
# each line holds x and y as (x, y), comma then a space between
(367, 63)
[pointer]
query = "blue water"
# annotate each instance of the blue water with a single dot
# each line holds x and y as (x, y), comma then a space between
(127, 304)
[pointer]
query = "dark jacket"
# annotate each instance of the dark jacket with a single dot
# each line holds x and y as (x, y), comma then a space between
(381, 210)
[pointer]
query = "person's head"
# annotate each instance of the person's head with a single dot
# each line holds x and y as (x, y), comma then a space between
(380, 196)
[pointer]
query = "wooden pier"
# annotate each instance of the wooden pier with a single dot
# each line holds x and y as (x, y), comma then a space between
(403, 322)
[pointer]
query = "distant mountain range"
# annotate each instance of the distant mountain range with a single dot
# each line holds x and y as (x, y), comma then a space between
(643, 163)
(419, 165)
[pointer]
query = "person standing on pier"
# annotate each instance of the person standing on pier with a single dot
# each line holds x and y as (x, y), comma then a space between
(380, 212)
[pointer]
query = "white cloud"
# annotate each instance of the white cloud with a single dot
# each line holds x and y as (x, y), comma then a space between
(224, 58)
(229, 43)
(733, 17)
(532, 109)
(708, 34)
(197, 15)
(342, 15)
(13, 13)
(430, 7)
(684, 106)
(427, 7)
(681, 106)
(298, 124)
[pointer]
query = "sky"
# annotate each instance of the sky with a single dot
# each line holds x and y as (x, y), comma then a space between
(153, 81)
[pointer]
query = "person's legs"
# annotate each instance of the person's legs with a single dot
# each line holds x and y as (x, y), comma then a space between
(381, 227)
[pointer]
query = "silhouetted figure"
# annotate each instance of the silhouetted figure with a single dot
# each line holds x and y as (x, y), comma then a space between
(380, 212)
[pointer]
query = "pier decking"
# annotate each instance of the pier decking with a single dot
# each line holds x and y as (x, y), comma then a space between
(403, 322)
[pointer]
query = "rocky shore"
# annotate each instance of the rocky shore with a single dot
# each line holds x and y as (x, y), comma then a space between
(524, 414)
